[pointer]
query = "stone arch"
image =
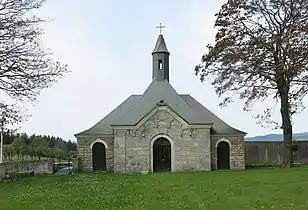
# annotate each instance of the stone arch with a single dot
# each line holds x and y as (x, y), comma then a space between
(99, 155)
(223, 147)
(223, 139)
(167, 137)
(100, 141)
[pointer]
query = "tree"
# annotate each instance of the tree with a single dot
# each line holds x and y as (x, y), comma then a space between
(8, 151)
(71, 146)
(39, 147)
(72, 154)
(25, 66)
(9, 115)
(261, 50)
(20, 147)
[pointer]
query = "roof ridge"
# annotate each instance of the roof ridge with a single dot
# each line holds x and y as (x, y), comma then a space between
(156, 91)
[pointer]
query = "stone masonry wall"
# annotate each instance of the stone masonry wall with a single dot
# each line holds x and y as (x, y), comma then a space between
(191, 146)
(39, 167)
(84, 152)
(119, 151)
(237, 151)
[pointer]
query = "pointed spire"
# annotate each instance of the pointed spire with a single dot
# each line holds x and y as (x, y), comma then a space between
(160, 45)
(160, 59)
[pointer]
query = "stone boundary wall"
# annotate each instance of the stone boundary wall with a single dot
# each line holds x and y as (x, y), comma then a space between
(39, 166)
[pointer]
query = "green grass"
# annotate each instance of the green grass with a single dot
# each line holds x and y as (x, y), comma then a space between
(252, 189)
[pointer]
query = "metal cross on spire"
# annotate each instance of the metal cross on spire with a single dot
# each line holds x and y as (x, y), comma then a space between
(160, 28)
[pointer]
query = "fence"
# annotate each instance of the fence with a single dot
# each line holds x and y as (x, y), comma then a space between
(258, 152)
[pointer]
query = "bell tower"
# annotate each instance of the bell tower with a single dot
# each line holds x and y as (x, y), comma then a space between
(160, 59)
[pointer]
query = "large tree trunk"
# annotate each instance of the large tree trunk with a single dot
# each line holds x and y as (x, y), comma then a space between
(287, 129)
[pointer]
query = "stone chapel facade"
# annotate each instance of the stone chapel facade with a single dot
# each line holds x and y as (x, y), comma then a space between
(160, 131)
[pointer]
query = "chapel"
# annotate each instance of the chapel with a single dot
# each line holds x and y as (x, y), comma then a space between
(160, 131)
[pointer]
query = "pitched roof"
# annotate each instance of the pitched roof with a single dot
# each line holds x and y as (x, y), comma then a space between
(136, 107)
(160, 45)
(156, 92)
(219, 126)
(103, 126)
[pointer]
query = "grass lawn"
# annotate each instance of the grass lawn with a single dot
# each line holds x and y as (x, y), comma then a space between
(252, 189)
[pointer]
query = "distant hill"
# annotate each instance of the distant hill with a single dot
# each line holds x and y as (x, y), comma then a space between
(277, 137)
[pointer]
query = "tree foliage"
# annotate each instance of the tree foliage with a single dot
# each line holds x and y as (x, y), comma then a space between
(19, 146)
(26, 67)
(261, 51)
(10, 115)
(37, 146)
(8, 151)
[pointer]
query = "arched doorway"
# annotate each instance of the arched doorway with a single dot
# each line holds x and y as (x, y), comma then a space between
(223, 155)
(161, 155)
(99, 157)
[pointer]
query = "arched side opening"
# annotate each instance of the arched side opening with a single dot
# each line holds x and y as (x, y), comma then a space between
(223, 155)
(162, 155)
(99, 156)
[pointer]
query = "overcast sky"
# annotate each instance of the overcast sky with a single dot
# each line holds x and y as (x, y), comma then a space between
(107, 45)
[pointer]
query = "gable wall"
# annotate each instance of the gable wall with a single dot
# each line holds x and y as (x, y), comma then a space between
(84, 152)
(191, 146)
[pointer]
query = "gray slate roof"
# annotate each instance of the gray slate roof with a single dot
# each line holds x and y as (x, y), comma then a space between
(135, 107)
(160, 45)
